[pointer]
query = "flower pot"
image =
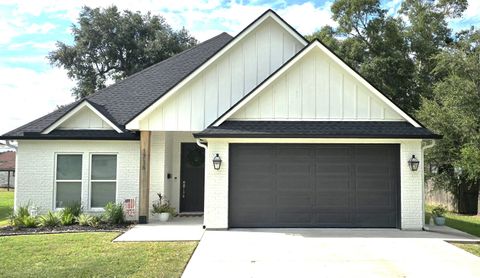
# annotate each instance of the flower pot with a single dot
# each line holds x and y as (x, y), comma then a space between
(164, 216)
(439, 221)
(155, 217)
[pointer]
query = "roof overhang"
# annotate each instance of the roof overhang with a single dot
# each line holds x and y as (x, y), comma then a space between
(73, 111)
(134, 124)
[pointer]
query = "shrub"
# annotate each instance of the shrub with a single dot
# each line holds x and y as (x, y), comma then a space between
(74, 208)
(84, 219)
(439, 211)
(67, 218)
(113, 213)
(22, 218)
(50, 219)
(29, 221)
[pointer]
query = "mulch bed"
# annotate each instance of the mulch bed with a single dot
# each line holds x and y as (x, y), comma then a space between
(13, 231)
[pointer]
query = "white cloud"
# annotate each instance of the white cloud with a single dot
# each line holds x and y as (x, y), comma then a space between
(27, 94)
(39, 28)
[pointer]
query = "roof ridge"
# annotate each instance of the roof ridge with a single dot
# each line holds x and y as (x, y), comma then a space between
(154, 65)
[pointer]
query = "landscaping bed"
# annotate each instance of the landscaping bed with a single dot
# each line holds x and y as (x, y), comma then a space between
(12, 230)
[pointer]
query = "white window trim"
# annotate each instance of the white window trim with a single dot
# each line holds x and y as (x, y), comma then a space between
(55, 178)
(90, 164)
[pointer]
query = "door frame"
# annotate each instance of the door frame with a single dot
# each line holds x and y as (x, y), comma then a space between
(181, 202)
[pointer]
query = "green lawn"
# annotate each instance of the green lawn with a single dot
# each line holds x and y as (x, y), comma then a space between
(473, 248)
(90, 254)
(467, 223)
(6, 205)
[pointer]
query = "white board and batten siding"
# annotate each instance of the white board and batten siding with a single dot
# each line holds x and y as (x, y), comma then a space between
(225, 81)
(316, 88)
(85, 118)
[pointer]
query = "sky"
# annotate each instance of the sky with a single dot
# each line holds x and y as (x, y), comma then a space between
(31, 88)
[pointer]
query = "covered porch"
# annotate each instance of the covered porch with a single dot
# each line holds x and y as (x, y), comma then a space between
(171, 164)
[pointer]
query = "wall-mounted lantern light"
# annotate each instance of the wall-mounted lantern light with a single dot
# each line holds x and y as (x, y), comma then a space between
(413, 163)
(217, 162)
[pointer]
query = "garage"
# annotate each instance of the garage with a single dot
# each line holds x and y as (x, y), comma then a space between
(314, 185)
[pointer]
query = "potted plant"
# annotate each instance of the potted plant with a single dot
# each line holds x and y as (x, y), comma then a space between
(162, 210)
(438, 213)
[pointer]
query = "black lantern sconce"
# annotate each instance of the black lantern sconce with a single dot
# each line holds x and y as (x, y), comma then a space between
(413, 163)
(217, 162)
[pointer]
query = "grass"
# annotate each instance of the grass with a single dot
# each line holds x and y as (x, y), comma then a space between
(6, 205)
(90, 254)
(467, 223)
(473, 248)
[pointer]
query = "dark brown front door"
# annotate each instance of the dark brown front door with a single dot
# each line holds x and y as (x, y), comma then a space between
(192, 177)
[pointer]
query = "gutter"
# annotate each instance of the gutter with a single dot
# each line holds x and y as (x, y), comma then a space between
(203, 145)
(9, 144)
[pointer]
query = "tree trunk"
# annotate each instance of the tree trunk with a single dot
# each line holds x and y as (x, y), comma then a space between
(467, 198)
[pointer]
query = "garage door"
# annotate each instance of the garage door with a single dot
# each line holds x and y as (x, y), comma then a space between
(292, 185)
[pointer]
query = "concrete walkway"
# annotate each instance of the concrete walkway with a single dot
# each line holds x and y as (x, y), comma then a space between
(185, 228)
(331, 253)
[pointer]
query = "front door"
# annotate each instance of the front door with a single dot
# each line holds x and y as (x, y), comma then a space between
(192, 177)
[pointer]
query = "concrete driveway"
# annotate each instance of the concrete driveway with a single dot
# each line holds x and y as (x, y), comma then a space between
(329, 253)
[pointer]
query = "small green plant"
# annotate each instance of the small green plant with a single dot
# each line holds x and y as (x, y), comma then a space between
(51, 219)
(84, 219)
(29, 221)
(88, 220)
(439, 211)
(67, 218)
(22, 218)
(162, 205)
(113, 213)
(74, 208)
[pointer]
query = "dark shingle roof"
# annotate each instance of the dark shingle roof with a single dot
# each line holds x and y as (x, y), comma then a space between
(124, 100)
(79, 134)
(315, 129)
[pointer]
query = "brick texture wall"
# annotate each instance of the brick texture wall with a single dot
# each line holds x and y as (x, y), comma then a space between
(216, 184)
(36, 170)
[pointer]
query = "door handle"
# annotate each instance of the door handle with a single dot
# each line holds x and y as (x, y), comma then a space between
(183, 189)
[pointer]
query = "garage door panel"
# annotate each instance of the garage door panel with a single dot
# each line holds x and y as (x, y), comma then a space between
(294, 200)
(314, 185)
(332, 200)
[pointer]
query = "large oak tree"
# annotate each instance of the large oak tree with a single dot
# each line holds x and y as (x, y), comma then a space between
(110, 45)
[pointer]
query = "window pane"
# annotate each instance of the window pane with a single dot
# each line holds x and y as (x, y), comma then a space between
(104, 167)
(69, 167)
(68, 193)
(102, 193)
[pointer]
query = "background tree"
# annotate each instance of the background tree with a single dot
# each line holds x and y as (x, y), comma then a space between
(454, 111)
(109, 44)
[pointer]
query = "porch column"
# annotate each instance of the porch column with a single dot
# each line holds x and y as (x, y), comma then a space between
(144, 176)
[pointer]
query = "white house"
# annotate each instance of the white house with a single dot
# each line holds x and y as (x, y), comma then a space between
(303, 139)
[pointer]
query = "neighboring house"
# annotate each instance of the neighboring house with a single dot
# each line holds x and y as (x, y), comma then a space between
(7, 169)
(303, 139)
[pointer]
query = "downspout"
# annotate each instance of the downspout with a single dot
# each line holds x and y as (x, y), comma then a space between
(202, 145)
(428, 146)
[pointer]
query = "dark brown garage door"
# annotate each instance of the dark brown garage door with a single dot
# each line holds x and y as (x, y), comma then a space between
(292, 185)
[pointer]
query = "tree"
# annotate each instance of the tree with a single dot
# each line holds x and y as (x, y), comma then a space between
(111, 45)
(454, 111)
(374, 44)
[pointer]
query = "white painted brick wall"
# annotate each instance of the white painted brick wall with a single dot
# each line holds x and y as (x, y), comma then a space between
(216, 182)
(216, 187)
(411, 196)
(36, 162)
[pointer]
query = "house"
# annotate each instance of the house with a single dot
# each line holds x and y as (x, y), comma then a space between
(7, 169)
(263, 129)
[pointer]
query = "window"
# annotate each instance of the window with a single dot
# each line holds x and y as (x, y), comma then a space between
(103, 178)
(68, 179)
